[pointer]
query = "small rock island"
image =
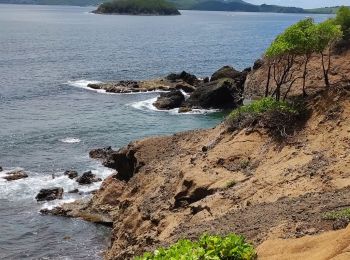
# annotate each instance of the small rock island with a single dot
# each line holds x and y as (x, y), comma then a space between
(137, 7)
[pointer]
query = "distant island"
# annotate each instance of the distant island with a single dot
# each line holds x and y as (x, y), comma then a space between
(152, 6)
(137, 7)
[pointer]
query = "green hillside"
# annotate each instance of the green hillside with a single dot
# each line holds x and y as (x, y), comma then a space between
(138, 7)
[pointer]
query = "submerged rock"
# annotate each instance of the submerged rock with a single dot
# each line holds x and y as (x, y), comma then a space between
(87, 178)
(71, 174)
(16, 175)
(169, 100)
(74, 191)
(49, 194)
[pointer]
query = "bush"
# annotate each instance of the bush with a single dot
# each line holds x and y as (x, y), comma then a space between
(279, 117)
(343, 19)
(335, 215)
(231, 247)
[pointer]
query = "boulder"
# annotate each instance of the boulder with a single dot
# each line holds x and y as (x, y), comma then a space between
(1, 169)
(225, 72)
(169, 100)
(87, 178)
(16, 175)
(185, 87)
(221, 94)
(100, 153)
(184, 76)
(49, 194)
(228, 72)
(71, 174)
(184, 109)
(74, 191)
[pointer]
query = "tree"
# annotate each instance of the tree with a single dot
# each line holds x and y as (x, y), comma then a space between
(326, 34)
(343, 20)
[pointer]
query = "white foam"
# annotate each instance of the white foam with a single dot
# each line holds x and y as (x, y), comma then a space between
(28, 188)
(148, 105)
(70, 140)
(84, 84)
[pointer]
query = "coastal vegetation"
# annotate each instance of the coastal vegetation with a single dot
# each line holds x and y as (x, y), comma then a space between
(207, 247)
(296, 45)
(137, 7)
(205, 5)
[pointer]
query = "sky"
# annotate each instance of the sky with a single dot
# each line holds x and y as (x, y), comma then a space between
(302, 3)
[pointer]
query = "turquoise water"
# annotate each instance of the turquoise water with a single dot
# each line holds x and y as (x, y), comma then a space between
(49, 120)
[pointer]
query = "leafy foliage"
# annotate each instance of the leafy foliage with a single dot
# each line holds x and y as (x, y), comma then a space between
(280, 118)
(155, 7)
(231, 247)
(343, 20)
(335, 215)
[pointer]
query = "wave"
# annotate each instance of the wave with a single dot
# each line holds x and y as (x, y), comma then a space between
(28, 188)
(148, 105)
(84, 84)
(70, 140)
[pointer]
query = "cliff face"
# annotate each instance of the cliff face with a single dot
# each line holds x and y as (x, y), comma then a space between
(219, 182)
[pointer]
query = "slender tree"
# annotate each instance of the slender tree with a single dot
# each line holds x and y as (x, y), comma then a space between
(326, 34)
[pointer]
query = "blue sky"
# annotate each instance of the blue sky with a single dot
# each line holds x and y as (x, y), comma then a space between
(302, 3)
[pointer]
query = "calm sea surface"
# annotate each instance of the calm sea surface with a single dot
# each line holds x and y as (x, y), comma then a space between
(49, 120)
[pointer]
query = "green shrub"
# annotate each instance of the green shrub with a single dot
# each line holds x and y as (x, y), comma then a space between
(335, 215)
(230, 184)
(231, 247)
(343, 19)
(279, 117)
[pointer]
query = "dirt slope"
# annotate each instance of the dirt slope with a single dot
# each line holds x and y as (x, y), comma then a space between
(219, 182)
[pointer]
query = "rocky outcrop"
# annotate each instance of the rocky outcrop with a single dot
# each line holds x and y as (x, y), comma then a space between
(49, 194)
(15, 175)
(124, 161)
(185, 77)
(87, 178)
(228, 72)
(221, 94)
(71, 174)
(169, 100)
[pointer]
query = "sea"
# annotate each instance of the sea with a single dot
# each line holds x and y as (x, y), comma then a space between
(50, 120)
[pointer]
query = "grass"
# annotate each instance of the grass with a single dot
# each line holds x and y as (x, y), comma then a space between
(230, 184)
(279, 117)
(339, 214)
(232, 247)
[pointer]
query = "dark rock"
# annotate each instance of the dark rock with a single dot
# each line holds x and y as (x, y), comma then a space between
(87, 178)
(56, 211)
(100, 153)
(169, 100)
(186, 77)
(71, 174)
(222, 94)
(1, 169)
(74, 191)
(206, 80)
(185, 87)
(94, 86)
(258, 64)
(185, 109)
(225, 72)
(16, 175)
(249, 69)
(49, 194)
(340, 223)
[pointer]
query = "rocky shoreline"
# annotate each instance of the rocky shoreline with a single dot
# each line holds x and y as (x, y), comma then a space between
(223, 90)
(221, 180)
